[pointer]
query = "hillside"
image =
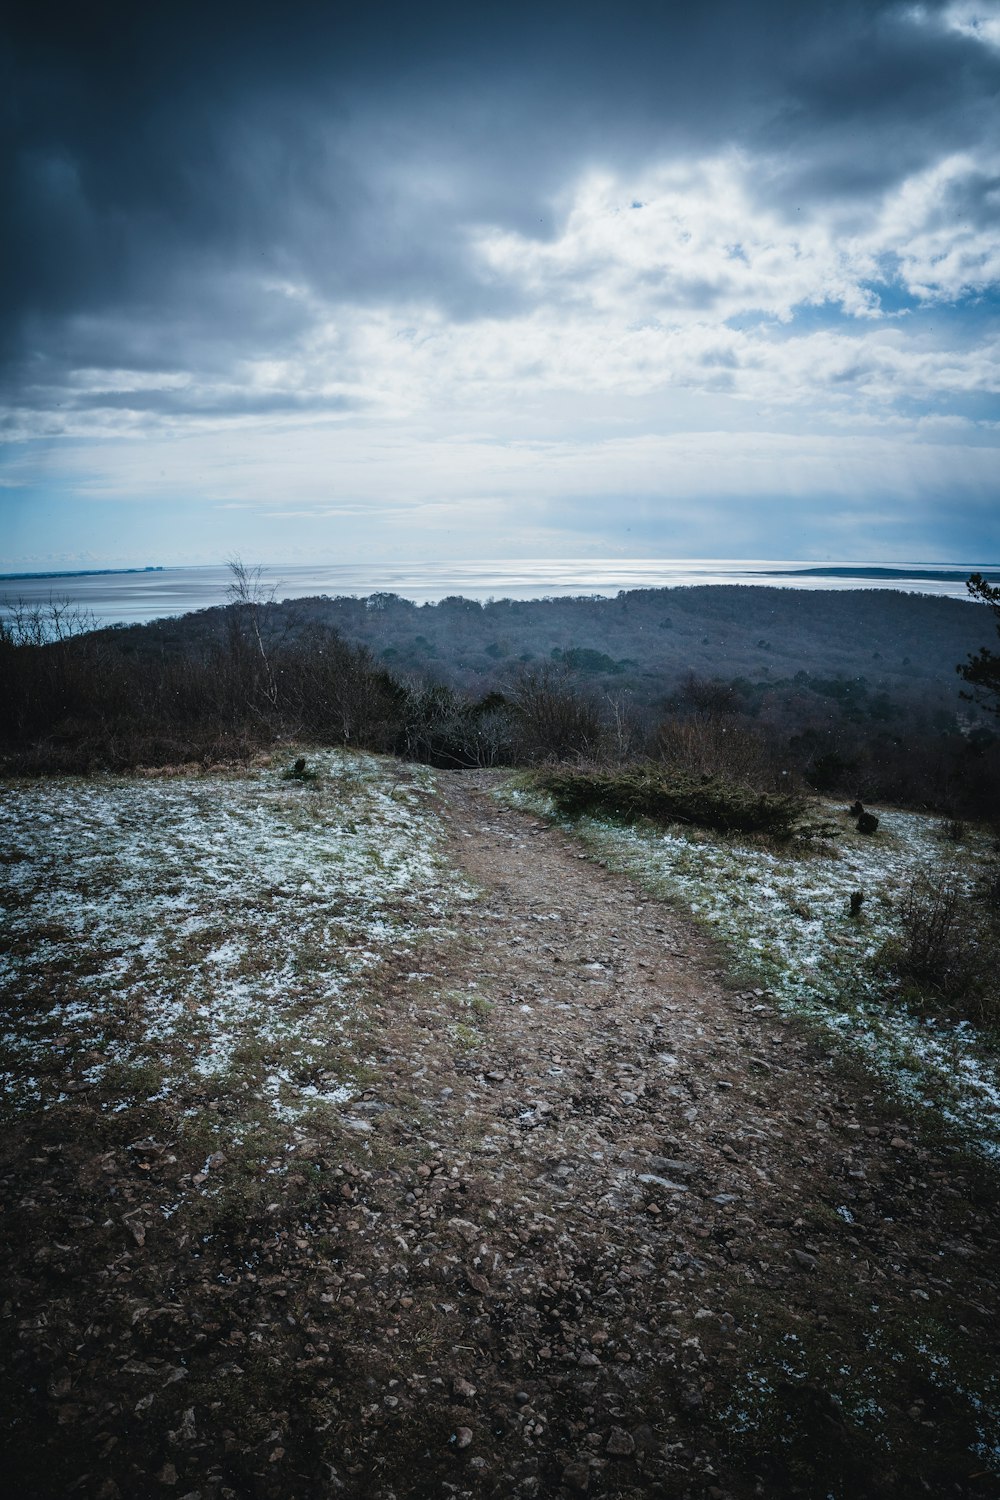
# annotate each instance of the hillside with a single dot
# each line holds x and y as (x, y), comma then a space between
(903, 645)
(369, 1132)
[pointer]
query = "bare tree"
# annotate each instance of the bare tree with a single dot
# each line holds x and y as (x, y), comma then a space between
(249, 597)
(40, 624)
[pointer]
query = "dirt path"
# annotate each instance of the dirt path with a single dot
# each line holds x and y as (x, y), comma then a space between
(598, 1225)
(694, 1216)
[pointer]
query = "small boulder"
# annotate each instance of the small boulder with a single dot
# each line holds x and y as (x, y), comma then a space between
(620, 1443)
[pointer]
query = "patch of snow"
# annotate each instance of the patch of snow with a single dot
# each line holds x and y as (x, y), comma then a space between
(786, 916)
(179, 930)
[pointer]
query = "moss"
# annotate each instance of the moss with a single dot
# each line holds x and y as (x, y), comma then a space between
(466, 1037)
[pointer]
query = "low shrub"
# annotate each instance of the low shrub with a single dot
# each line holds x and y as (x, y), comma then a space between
(946, 948)
(665, 795)
(722, 745)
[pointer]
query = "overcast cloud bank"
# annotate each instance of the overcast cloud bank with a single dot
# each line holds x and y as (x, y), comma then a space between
(529, 281)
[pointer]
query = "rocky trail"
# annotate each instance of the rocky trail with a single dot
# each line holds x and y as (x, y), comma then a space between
(600, 1224)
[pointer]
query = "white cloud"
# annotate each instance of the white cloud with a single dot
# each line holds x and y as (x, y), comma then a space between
(675, 341)
(683, 242)
(675, 279)
(978, 19)
(941, 226)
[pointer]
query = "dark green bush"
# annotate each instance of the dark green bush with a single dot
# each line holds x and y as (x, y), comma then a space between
(668, 796)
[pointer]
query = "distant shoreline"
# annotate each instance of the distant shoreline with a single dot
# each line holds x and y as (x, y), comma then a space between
(81, 573)
(990, 571)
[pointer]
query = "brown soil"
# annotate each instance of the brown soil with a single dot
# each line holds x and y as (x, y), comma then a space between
(616, 1229)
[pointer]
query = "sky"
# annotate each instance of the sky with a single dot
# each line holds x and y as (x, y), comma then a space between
(310, 282)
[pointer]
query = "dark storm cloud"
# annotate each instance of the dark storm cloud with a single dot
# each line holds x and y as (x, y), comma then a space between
(161, 162)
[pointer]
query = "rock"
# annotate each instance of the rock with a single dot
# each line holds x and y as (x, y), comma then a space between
(577, 1477)
(665, 1165)
(463, 1388)
(806, 1261)
(620, 1443)
(588, 1359)
(463, 1437)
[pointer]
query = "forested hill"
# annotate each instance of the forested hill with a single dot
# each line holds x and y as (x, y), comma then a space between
(903, 645)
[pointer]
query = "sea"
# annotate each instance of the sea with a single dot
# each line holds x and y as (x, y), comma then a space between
(135, 595)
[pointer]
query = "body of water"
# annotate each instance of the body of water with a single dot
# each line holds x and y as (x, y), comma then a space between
(114, 597)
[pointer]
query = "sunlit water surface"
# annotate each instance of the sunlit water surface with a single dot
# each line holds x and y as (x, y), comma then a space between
(129, 597)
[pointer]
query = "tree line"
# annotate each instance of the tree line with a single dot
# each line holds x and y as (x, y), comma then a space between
(225, 684)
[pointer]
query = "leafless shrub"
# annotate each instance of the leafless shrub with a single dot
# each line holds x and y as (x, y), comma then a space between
(947, 945)
(554, 719)
(715, 744)
(443, 729)
(626, 735)
(704, 695)
(929, 924)
(40, 624)
(333, 692)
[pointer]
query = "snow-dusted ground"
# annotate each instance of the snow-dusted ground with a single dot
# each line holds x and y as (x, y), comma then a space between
(168, 935)
(785, 917)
